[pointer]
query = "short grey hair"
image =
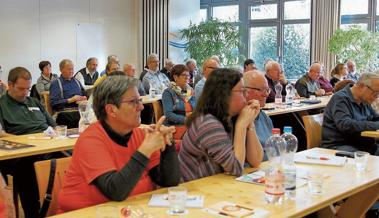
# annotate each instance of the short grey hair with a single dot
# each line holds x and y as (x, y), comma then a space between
(190, 61)
(270, 64)
(63, 63)
(366, 78)
(110, 91)
(151, 57)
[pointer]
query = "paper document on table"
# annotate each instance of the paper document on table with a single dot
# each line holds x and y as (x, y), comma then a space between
(258, 177)
(161, 200)
(230, 209)
(321, 159)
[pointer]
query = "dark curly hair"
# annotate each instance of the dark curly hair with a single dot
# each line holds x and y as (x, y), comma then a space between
(215, 96)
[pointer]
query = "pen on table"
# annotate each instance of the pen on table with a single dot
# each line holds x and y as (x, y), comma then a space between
(317, 158)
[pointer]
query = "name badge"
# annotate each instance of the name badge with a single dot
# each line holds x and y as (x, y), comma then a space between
(33, 109)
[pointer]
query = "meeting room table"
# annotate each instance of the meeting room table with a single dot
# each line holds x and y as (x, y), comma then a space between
(340, 182)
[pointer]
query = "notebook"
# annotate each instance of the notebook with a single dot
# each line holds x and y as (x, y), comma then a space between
(161, 200)
(258, 177)
(8, 145)
(321, 159)
(230, 209)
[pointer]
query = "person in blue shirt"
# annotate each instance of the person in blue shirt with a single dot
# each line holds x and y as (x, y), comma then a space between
(178, 100)
(257, 88)
(66, 91)
(208, 67)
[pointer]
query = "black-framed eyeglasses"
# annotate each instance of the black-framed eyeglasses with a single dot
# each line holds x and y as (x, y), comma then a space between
(267, 90)
(135, 102)
(375, 93)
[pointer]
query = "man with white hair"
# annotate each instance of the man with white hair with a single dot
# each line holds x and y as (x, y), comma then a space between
(308, 84)
(348, 113)
(275, 75)
(153, 76)
(194, 75)
(352, 73)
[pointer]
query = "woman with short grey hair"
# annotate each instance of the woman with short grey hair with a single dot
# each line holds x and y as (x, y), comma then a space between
(113, 158)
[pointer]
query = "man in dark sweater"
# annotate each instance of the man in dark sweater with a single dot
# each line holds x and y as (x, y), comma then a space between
(88, 75)
(348, 113)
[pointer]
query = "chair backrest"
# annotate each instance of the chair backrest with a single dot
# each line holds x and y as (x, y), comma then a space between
(46, 98)
(158, 110)
(313, 126)
(34, 93)
(42, 169)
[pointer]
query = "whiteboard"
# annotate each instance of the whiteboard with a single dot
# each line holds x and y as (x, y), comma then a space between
(90, 42)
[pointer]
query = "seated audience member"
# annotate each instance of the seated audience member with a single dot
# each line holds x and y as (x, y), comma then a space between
(220, 134)
(7, 209)
(44, 81)
(130, 71)
(341, 84)
(257, 89)
(167, 68)
(152, 64)
(192, 67)
(178, 100)
(111, 67)
(111, 58)
(324, 83)
(352, 73)
(208, 67)
(349, 112)
(338, 73)
(308, 85)
(133, 160)
(3, 86)
(88, 75)
(249, 65)
(66, 91)
(154, 77)
(274, 75)
(21, 114)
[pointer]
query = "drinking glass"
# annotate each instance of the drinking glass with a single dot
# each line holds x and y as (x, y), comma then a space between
(315, 183)
(61, 131)
(361, 158)
(177, 197)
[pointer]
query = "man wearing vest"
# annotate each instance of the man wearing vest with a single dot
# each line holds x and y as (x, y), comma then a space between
(308, 85)
(88, 75)
(65, 93)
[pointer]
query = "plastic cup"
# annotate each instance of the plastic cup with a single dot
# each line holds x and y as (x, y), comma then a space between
(177, 197)
(315, 183)
(312, 97)
(361, 159)
(61, 131)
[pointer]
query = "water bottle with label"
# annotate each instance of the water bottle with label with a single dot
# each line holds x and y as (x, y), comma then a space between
(274, 177)
(289, 167)
(289, 94)
(278, 94)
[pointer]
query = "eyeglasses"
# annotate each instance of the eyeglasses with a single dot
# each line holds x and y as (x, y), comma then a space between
(375, 93)
(267, 90)
(135, 102)
(243, 91)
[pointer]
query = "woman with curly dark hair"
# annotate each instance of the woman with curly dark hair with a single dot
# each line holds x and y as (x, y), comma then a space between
(221, 133)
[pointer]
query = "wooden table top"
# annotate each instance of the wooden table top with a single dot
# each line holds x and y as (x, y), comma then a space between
(42, 145)
(372, 134)
(341, 182)
(303, 107)
(147, 100)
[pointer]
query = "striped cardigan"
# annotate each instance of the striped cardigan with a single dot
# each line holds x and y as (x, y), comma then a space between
(207, 149)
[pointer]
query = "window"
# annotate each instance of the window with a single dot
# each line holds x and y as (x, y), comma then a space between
(203, 14)
(364, 13)
(280, 30)
(275, 29)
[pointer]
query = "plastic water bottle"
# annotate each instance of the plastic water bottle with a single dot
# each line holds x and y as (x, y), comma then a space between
(274, 177)
(289, 94)
(289, 167)
(278, 94)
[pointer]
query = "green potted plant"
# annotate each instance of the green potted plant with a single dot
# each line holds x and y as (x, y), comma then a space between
(358, 45)
(213, 37)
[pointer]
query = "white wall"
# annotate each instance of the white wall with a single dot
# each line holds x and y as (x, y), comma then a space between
(181, 13)
(35, 30)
